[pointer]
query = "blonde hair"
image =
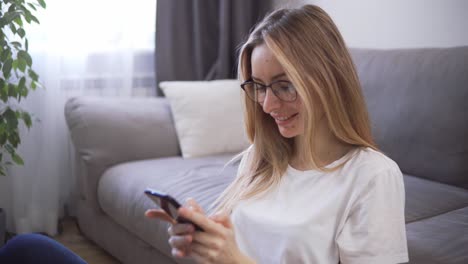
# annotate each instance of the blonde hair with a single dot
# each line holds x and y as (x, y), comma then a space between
(314, 56)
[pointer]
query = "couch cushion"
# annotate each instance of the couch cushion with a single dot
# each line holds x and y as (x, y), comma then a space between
(440, 239)
(426, 199)
(202, 130)
(120, 190)
(417, 101)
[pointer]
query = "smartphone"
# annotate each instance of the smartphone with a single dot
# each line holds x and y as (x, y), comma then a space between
(169, 204)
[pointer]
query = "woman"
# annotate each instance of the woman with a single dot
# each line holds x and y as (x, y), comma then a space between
(312, 188)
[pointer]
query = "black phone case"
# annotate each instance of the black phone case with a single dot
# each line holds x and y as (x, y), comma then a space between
(165, 200)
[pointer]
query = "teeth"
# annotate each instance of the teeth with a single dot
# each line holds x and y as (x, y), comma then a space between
(282, 118)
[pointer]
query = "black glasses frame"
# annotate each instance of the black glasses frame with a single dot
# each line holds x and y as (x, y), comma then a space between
(275, 92)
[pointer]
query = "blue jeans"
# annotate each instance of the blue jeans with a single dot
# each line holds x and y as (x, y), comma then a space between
(38, 249)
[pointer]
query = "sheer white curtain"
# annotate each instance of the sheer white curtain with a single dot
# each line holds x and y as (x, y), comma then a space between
(86, 47)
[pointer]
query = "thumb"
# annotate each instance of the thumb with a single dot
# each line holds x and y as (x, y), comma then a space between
(159, 214)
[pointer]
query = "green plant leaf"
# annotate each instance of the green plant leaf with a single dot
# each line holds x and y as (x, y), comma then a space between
(33, 18)
(23, 54)
(16, 44)
(14, 138)
(42, 3)
(5, 55)
(14, 65)
(7, 68)
(13, 28)
(17, 159)
(3, 90)
(22, 83)
(3, 93)
(8, 17)
(3, 139)
(12, 7)
(21, 32)
(22, 90)
(18, 21)
(32, 6)
(27, 119)
(2, 129)
(12, 90)
(26, 44)
(22, 64)
(27, 15)
(9, 148)
(33, 75)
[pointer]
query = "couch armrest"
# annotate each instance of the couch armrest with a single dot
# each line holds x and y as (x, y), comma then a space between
(109, 131)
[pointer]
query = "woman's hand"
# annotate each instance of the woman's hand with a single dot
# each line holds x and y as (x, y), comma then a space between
(216, 244)
(180, 234)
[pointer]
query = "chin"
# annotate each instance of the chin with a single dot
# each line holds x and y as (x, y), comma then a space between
(288, 133)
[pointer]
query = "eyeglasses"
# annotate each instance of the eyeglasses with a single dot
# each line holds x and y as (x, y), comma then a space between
(284, 90)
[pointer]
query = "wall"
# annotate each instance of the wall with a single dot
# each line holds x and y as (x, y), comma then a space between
(396, 23)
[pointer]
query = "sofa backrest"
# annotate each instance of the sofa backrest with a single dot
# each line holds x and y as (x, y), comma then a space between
(418, 104)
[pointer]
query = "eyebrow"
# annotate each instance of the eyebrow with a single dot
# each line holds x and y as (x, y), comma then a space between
(273, 78)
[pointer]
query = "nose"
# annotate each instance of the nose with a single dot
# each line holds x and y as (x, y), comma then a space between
(271, 102)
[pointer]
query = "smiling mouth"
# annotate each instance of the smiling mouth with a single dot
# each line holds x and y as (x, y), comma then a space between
(282, 120)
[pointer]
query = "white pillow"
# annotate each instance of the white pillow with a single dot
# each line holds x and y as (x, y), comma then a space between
(208, 116)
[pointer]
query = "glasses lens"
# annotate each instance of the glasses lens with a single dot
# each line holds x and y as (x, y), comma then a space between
(254, 91)
(284, 91)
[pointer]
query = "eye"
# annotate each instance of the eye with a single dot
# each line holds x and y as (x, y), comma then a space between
(285, 87)
(260, 88)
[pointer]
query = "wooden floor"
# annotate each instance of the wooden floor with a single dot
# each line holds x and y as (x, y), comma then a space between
(76, 242)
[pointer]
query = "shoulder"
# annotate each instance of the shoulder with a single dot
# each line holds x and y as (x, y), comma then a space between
(367, 158)
(368, 164)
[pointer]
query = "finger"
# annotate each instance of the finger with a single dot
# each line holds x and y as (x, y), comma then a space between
(206, 240)
(191, 202)
(201, 220)
(222, 218)
(201, 251)
(180, 242)
(159, 214)
(177, 253)
(180, 229)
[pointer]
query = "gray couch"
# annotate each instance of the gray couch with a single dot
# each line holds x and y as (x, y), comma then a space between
(418, 102)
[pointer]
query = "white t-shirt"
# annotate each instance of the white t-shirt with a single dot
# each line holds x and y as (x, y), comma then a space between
(353, 215)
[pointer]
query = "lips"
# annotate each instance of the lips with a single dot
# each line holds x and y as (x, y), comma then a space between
(284, 120)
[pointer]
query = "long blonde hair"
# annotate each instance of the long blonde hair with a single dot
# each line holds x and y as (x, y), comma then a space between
(314, 56)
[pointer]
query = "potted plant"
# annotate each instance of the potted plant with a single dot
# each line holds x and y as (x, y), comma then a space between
(17, 79)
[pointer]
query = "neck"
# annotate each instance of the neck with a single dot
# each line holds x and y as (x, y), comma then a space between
(328, 147)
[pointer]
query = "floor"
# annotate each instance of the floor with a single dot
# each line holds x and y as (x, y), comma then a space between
(71, 238)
